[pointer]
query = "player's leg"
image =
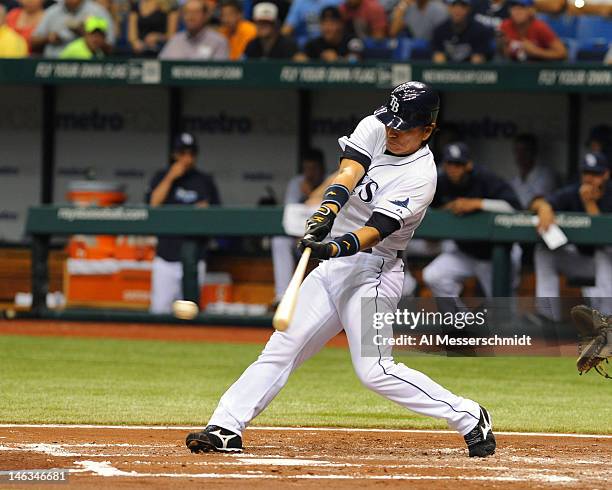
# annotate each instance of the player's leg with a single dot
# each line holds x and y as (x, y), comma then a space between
(283, 263)
(315, 322)
(446, 273)
(166, 285)
(395, 381)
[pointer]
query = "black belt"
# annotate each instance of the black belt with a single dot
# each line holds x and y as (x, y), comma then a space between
(369, 251)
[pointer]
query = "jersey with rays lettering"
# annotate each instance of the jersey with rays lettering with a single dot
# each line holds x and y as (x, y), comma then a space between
(401, 187)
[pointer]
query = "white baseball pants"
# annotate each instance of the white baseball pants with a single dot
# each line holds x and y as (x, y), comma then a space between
(167, 283)
(570, 262)
(330, 300)
(445, 274)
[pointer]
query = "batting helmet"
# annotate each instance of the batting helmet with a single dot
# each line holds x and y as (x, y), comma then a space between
(411, 104)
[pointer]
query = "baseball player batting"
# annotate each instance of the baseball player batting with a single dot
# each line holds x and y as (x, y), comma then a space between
(386, 181)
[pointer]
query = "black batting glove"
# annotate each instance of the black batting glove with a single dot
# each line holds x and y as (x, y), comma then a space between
(320, 250)
(319, 225)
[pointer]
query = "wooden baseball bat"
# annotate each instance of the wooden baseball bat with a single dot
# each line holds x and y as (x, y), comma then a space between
(285, 309)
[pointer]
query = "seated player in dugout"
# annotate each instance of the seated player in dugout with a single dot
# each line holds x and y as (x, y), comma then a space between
(385, 183)
(180, 184)
(299, 189)
(464, 188)
(593, 196)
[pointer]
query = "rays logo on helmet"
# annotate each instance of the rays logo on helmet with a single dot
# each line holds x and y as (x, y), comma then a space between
(394, 104)
(454, 151)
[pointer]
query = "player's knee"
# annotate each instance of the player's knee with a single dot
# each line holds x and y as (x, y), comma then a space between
(369, 376)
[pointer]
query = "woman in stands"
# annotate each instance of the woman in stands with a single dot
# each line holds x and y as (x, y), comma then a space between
(151, 23)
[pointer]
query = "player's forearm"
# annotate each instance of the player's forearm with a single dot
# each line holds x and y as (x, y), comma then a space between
(366, 237)
(540, 204)
(159, 194)
(349, 174)
(592, 208)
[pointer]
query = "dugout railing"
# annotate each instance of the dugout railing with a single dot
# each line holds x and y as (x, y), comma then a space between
(501, 230)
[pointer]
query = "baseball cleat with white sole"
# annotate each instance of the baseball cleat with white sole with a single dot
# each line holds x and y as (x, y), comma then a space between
(480, 440)
(214, 438)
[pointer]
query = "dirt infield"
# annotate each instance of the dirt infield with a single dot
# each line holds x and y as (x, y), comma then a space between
(114, 457)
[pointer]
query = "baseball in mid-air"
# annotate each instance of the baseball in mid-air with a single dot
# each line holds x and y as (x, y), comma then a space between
(185, 310)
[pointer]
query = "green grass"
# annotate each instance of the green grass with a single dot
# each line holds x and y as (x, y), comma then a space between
(72, 380)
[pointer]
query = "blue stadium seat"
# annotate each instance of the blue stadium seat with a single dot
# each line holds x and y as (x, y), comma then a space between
(379, 49)
(564, 25)
(594, 35)
(572, 48)
(419, 50)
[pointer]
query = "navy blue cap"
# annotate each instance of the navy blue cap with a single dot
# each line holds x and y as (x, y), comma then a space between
(522, 3)
(465, 2)
(596, 162)
(185, 141)
(456, 153)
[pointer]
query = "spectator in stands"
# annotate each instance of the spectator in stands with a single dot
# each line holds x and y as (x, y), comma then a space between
(239, 32)
(533, 179)
(527, 38)
(25, 18)
(491, 13)
(269, 43)
(198, 41)
(334, 44)
(592, 195)
(282, 7)
(180, 184)
(419, 17)
(62, 23)
(464, 188)
(302, 21)
(364, 18)
(150, 24)
(91, 45)
(298, 191)
(461, 38)
(12, 44)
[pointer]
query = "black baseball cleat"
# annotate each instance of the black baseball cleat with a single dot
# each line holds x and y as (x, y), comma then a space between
(480, 440)
(214, 438)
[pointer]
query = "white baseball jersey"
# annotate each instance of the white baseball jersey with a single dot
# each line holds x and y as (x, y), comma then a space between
(401, 187)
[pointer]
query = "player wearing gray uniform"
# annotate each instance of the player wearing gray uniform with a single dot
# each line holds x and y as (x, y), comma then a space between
(386, 181)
